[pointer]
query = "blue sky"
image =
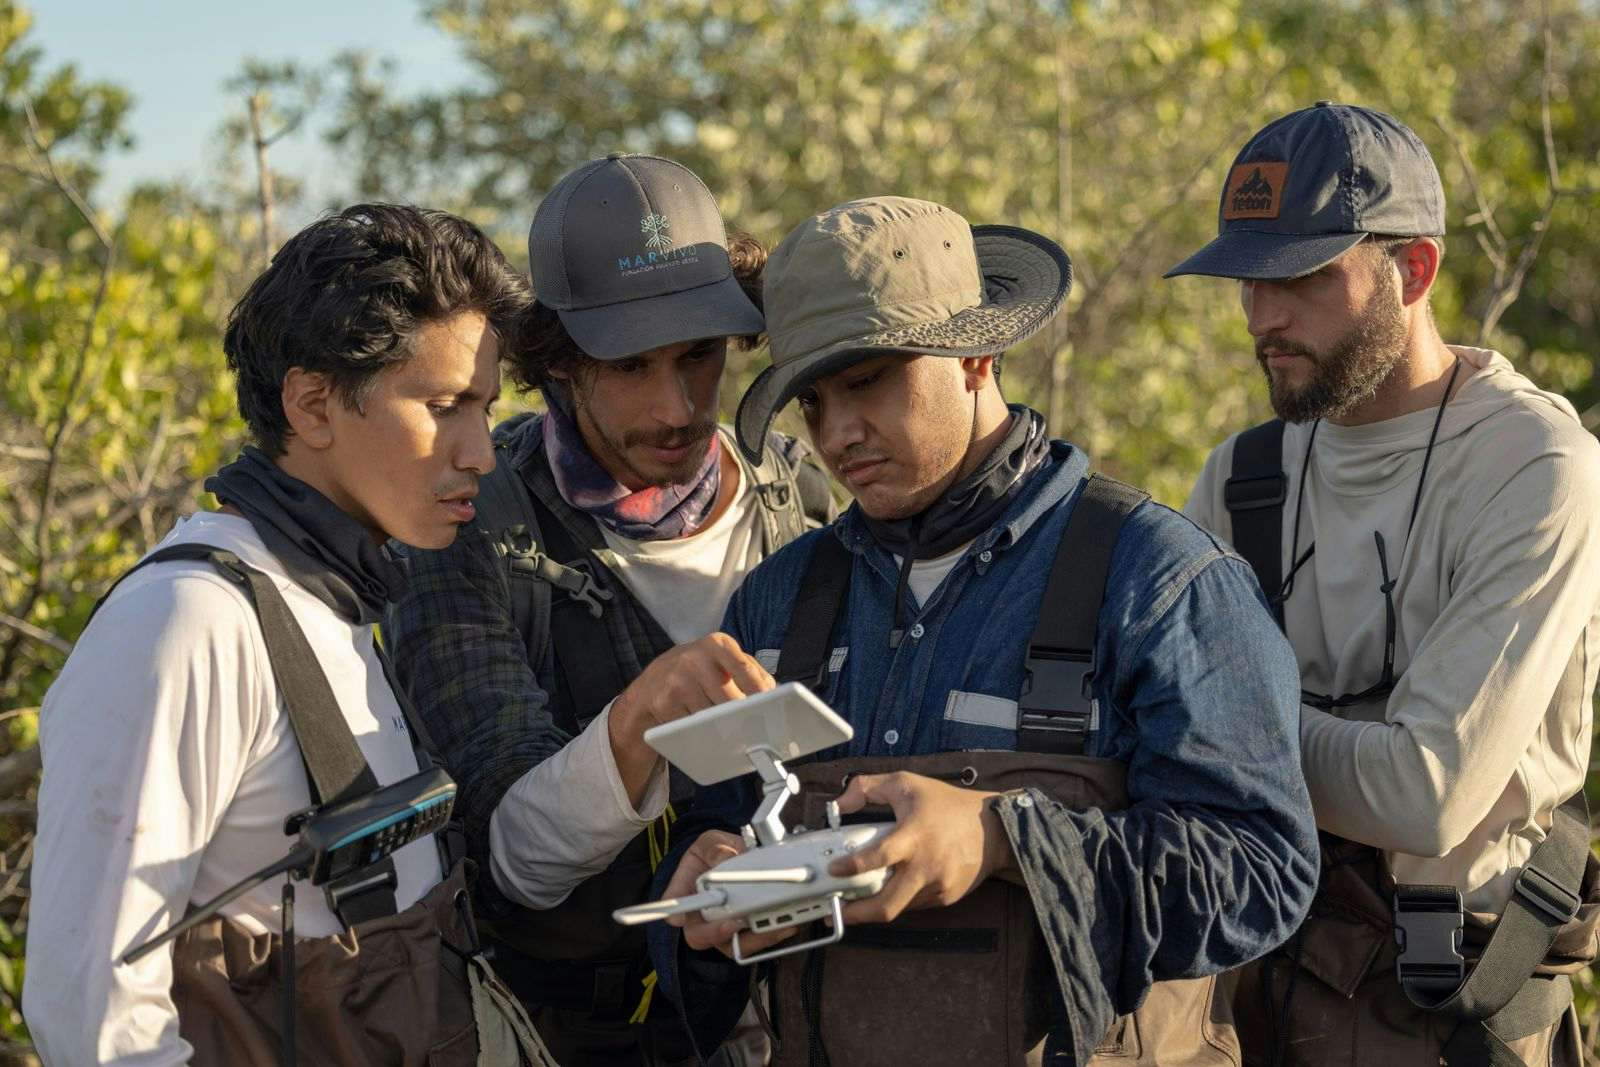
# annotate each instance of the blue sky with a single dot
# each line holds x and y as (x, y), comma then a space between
(174, 55)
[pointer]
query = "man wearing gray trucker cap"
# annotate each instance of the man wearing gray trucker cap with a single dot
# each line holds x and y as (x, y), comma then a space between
(542, 644)
(1422, 518)
(1073, 700)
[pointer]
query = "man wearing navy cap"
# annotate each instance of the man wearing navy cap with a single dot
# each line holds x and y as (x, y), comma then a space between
(1422, 518)
(581, 605)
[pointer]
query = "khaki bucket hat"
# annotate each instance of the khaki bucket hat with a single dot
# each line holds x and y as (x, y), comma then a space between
(892, 274)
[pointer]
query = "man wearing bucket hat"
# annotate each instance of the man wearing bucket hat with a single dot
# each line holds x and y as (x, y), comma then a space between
(1073, 700)
(1422, 517)
(540, 646)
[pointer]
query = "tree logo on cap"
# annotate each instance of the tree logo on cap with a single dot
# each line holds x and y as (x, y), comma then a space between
(1255, 191)
(658, 232)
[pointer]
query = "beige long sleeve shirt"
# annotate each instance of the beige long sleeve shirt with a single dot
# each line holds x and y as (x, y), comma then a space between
(1497, 602)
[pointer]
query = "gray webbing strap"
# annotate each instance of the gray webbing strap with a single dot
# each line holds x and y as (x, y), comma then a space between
(335, 768)
(1056, 712)
(1544, 898)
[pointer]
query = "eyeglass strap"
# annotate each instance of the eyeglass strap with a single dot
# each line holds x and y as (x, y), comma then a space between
(1427, 455)
(1387, 589)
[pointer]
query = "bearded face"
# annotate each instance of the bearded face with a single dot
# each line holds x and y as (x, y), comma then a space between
(1330, 379)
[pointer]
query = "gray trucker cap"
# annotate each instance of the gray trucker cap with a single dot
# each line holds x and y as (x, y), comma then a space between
(1312, 185)
(631, 253)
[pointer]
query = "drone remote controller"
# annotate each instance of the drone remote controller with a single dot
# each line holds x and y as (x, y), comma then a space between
(782, 878)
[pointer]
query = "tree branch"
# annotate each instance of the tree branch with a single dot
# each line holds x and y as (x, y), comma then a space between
(37, 633)
(57, 439)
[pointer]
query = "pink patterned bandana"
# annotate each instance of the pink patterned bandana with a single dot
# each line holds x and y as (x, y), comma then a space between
(655, 513)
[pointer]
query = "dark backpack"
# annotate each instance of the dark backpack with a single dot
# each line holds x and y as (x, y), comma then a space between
(541, 557)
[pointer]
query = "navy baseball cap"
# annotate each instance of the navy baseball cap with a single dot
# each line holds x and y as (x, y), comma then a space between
(1314, 184)
(631, 253)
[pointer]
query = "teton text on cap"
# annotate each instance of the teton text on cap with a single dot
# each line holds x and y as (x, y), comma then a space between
(1255, 191)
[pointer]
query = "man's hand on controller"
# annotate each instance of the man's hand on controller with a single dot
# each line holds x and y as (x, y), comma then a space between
(679, 682)
(947, 840)
(700, 933)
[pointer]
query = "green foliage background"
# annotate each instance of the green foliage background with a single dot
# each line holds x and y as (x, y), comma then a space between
(1107, 124)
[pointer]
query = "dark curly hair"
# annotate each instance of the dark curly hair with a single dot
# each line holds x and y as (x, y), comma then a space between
(541, 348)
(346, 295)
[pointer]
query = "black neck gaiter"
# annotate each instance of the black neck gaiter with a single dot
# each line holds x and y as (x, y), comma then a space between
(973, 504)
(321, 548)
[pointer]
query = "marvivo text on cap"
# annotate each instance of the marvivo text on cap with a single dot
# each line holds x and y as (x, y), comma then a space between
(630, 251)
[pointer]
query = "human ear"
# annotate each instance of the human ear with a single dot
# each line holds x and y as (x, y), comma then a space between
(307, 397)
(977, 372)
(1419, 266)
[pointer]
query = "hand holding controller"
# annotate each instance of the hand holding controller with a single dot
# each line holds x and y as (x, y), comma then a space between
(779, 880)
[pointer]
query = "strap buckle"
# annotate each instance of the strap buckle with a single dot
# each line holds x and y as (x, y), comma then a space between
(378, 877)
(580, 585)
(775, 495)
(1055, 699)
(523, 558)
(1547, 895)
(1251, 493)
(1427, 926)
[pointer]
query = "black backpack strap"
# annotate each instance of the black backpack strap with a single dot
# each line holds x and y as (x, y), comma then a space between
(505, 514)
(586, 664)
(808, 644)
(1254, 495)
(1056, 711)
(335, 768)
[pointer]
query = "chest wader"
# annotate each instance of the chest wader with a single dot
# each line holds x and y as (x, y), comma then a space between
(396, 987)
(1384, 973)
(588, 978)
(973, 983)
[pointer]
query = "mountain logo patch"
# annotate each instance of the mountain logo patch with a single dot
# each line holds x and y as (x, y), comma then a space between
(1255, 191)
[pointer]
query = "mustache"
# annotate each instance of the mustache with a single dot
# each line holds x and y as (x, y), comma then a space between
(463, 490)
(1283, 347)
(692, 434)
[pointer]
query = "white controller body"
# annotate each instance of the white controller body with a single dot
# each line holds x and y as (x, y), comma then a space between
(781, 879)
(773, 887)
(774, 905)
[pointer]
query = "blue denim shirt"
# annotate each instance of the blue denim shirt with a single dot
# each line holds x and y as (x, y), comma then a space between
(1215, 860)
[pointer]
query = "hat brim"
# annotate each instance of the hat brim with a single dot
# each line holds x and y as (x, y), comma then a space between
(617, 331)
(1026, 280)
(1261, 256)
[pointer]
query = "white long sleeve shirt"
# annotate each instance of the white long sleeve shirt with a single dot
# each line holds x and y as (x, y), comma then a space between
(169, 767)
(1457, 775)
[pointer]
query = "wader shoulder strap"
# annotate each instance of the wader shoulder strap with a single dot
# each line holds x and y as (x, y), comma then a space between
(1254, 495)
(817, 607)
(1497, 1002)
(335, 768)
(1056, 712)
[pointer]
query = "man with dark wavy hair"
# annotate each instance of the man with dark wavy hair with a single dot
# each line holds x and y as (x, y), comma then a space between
(232, 680)
(583, 604)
